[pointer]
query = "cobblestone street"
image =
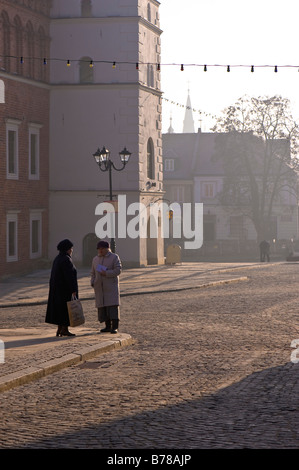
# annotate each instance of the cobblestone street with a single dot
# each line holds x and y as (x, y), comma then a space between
(208, 368)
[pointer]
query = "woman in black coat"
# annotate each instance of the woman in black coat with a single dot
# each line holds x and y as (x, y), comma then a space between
(63, 285)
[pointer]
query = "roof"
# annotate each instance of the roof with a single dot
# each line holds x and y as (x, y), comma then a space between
(192, 154)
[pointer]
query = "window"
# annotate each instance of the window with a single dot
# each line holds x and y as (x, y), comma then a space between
(30, 63)
(150, 75)
(5, 38)
(12, 237)
(150, 160)
(12, 146)
(169, 164)
(42, 46)
(2, 92)
(18, 43)
(149, 15)
(208, 190)
(86, 70)
(35, 234)
(179, 194)
(12, 169)
(85, 8)
(34, 151)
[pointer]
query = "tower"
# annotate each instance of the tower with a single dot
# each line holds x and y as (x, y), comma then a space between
(188, 126)
(105, 91)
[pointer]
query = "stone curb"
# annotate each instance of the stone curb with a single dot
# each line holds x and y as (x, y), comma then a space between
(126, 294)
(29, 374)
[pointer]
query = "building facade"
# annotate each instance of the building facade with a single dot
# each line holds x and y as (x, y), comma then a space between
(108, 95)
(77, 75)
(24, 135)
(192, 174)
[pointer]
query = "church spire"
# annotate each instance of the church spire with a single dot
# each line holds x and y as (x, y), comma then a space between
(188, 126)
(170, 129)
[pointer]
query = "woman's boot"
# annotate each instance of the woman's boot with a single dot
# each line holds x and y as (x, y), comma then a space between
(65, 331)
(58, 332)
(114, 326)
(107, 328)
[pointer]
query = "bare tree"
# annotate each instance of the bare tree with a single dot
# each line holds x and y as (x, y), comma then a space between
(257, 145)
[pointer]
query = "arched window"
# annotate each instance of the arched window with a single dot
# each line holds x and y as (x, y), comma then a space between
(30, 49)
(42, 44)
(149, 16)
(85, 8)
(18, 43)
(86, 70)
(6, 41)
(150, 161)
(150, 75)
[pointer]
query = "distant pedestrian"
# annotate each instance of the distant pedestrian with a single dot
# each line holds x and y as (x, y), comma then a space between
(264, 251)
(105, 270)
(63, 285)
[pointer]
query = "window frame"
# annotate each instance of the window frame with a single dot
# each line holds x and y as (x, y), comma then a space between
(34, 129)
(12, 217)
(150, 160)
(179, 193)
(36, 216)
(209, 189)
(169, 164)
(12, 125)
(86, 75)
(86, 8)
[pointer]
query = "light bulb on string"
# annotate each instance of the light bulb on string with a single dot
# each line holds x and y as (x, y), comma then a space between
(228, 68)
(275, 69)
(205, 68)
(252, 68)
(45, 61)
(113, 65)
(182, 67)
(91, 64)
(68, 64)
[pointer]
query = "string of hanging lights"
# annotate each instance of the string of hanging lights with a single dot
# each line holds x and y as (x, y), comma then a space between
(179, 105)
(158, 65)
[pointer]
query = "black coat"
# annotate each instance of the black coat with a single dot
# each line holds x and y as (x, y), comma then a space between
(63, 282)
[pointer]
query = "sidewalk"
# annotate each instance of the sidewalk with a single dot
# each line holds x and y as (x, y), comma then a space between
(31, 353)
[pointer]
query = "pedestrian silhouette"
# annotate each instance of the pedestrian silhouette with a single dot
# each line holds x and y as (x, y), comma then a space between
(265, 251)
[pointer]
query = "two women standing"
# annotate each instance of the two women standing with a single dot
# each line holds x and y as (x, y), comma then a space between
(105, 271)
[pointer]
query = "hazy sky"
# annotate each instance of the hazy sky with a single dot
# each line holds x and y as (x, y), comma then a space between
(226, 32)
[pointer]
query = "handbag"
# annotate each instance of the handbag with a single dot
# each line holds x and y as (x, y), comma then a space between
(75, 310)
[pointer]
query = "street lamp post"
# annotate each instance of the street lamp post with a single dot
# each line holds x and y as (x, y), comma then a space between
(102, 158)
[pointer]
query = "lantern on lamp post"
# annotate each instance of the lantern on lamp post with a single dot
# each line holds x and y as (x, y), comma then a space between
(104, 162)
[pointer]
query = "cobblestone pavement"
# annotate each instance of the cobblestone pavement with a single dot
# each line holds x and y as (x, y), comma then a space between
(209, 368)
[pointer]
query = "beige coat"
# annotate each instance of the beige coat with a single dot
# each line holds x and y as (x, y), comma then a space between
(106, 288)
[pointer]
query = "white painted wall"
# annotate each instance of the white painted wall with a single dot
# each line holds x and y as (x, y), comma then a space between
(116, 109)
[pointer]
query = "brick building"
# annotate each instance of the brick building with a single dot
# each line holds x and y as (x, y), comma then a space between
(52, 121)
(24, 134)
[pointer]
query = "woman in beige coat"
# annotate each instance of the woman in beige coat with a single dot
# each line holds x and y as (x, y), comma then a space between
(105, 271)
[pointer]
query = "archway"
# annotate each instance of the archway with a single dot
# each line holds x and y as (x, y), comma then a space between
(152, 242)
(89, 248)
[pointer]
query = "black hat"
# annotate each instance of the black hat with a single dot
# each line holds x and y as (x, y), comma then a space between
(103, 244)
(64, 245)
